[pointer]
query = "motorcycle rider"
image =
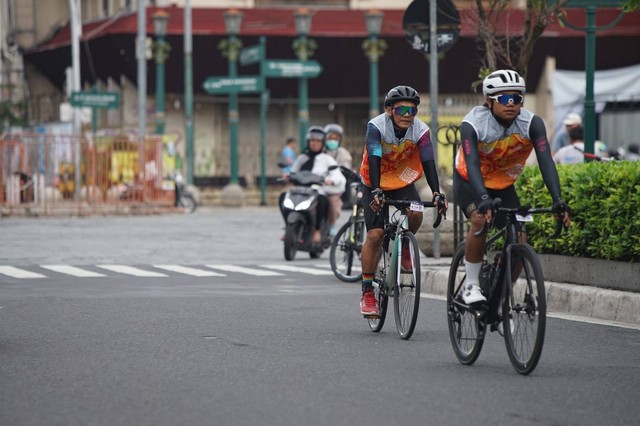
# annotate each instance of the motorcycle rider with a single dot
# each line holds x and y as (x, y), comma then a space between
(342, 156)
(315, 160)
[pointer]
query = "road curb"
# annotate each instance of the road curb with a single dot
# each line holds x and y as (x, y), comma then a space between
(572, 299)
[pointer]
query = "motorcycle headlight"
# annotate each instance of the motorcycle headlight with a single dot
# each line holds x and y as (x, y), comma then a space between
(303, 205)
(288, 204)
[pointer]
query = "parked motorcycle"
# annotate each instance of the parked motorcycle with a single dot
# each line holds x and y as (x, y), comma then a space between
(300, 210)
(184, 197)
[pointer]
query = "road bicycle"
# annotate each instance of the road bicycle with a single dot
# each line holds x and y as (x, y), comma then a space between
(512, 280)
(393, 278)
(346, 246)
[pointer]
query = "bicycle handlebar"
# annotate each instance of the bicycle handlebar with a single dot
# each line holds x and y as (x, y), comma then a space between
(523, 210)
(403, 204)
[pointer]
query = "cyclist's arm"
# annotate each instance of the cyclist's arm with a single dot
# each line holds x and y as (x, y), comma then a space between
(538, 134)
(428, 162)
(469, 139)
(373, 145)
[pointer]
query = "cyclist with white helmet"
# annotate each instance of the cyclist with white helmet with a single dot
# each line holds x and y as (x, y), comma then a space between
(496, 140)
(397, 151)
(342, 156)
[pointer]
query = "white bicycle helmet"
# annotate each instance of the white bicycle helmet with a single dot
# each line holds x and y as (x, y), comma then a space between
(502, 81)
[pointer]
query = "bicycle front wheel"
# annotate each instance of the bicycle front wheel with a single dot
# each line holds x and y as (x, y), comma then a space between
(406, 292)
(524, 309)
(346, 247)
(465, 330)
(379, 287)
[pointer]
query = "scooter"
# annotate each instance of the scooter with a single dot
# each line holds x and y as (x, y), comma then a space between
(184, 197)
(299, 208)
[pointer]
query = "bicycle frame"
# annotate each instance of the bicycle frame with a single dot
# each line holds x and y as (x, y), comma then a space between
(401, 225)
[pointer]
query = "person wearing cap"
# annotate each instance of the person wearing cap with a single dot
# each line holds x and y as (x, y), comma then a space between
(397, 151)
(343, 158)
(571, 121)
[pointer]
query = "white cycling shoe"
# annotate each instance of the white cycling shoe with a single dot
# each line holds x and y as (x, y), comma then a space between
(472, 294)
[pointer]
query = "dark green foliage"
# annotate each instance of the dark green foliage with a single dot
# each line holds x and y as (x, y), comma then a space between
(605, 203)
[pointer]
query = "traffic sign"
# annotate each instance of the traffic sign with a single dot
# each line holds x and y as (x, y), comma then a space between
(250, 55)
(243, 84)
(96, 99)
(289, 68)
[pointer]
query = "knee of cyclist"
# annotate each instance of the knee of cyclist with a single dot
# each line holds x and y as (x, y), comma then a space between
(374, 236)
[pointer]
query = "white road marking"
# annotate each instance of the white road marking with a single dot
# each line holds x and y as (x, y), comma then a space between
(130, 270)
(291, 268)
(19, 273)
(244, 270)
(189, 271)
(72, 270)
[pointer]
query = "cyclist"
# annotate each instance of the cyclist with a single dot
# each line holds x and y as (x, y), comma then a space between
(397, 150)
(343, 158)
(316, 161)
(497, 138)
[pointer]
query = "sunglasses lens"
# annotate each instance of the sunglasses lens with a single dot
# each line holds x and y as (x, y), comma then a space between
(402, 110)
(506, 99)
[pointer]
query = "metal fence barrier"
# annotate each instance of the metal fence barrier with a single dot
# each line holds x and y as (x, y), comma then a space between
(116, 174)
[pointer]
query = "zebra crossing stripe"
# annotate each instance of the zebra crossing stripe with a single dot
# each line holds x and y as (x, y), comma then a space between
(290, 268)
(130, 270)
(243, 270)
(72, 270)
(189, 271)
(14, 272)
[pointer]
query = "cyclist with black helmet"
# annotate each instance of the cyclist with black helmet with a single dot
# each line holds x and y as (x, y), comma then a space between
(315, 160)
(497, 139)
(397, 151)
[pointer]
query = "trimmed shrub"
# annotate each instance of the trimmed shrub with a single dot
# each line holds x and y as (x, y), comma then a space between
(605, 201)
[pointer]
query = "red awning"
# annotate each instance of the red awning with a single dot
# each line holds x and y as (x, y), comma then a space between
(329, 23)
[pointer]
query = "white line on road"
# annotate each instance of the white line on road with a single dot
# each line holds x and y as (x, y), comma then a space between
(290, 268)
(189, 271)
(243, 270)
(129, 270)
(19, 273)
(72, 270)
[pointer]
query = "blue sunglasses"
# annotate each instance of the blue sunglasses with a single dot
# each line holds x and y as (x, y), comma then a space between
(402, 110)
(508, 98)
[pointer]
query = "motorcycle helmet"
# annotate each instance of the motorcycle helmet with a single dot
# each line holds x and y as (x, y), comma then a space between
(503, 81)
(315, 132)
(331, 143)
(401, 93)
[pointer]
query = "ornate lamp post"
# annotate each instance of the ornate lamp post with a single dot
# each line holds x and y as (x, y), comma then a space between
(304, 49)
(161, 53)
(231, 49)
(374, 48)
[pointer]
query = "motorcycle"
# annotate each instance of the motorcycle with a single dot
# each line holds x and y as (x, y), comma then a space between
(184, 198)
(299, 209)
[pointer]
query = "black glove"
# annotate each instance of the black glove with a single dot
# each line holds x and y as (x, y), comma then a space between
(377, 193)
(485, 205)
(559, 207)
(439, 198)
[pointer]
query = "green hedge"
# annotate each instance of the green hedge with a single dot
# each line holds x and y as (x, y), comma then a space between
(605, 202)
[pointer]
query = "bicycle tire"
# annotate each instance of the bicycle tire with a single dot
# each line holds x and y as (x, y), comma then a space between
(379, 288)
(524, 310)
(406, 291)
(465, 330)
(344, 255)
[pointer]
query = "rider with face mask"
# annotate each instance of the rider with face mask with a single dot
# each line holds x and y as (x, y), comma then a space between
(332, 146)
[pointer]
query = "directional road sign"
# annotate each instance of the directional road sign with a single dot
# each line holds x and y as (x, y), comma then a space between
(289, 68)
(95, 99)
(242, 84)
(250, 55)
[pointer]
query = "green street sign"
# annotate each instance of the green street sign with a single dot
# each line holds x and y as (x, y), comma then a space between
(95, 99)
(243, 84)
(250, 55)
(288, 68)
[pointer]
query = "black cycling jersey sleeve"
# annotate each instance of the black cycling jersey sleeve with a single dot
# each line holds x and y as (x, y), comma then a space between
(469, 139)
(538, 134)
(374, 171)
(431, 173)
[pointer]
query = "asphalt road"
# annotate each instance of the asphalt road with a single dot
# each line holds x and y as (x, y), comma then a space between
(242, 349)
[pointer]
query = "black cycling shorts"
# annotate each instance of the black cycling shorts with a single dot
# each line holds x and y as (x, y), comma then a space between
(376, 221)
(468, 201)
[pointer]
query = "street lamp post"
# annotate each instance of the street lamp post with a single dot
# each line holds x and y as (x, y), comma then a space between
(304, 48)
(374, 48)
(161, 53)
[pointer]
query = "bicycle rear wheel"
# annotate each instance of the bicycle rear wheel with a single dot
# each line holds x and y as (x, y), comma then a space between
(346, 247)
(379, 287)
(406, 292)
(465, 330)
(524, 310)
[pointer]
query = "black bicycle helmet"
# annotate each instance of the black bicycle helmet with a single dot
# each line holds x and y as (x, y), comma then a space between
(402, 93)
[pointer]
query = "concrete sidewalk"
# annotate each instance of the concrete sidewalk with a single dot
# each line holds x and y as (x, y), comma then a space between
(567, 299)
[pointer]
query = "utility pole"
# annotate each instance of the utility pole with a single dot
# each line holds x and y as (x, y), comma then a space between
(188, 91)
(141, 46)
(76, 32)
